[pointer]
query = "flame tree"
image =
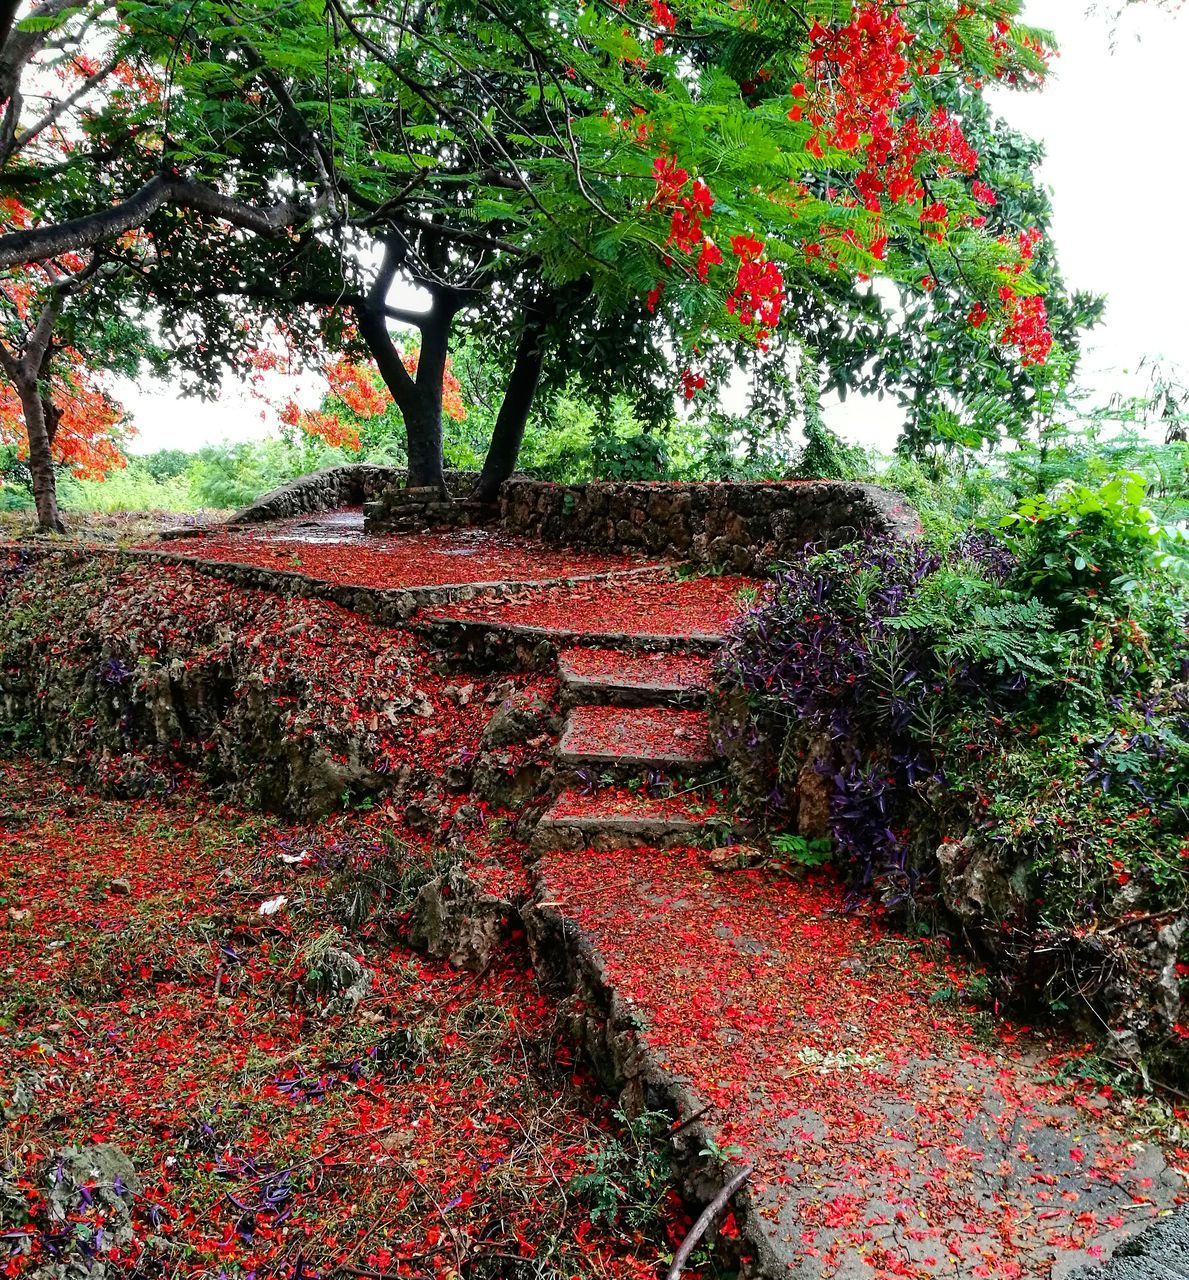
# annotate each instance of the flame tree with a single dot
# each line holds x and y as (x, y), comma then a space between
(64, 115)
(703, 176)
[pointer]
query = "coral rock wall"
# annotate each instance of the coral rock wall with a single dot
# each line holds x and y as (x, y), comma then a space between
(744, 526)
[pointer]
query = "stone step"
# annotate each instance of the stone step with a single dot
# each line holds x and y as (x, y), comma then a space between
(660, 738)
(633, 678)
(614, 818)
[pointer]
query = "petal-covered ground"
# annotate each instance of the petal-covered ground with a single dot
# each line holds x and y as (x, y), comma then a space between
(339, 695)
(615, 668)
(702, 804)
(694, 608)
(229, 1002)
(895, 1131)
(176, 981)
(646, 735)
(333, 547)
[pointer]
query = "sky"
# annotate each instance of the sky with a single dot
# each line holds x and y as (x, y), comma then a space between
(1112, 119)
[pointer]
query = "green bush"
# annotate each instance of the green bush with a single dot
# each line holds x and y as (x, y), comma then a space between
(132, 488)
(1023, 693)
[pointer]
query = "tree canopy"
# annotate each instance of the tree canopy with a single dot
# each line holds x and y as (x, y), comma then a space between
(703, 181)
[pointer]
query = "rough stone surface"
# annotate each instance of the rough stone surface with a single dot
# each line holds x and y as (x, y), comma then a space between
(455, 921)
(748, 527)
(978, 886)
(355, 484)
(346, 486)
(1159, 1253)
(403, 510)
(519, 718)
(99, 1179)
(343, 982)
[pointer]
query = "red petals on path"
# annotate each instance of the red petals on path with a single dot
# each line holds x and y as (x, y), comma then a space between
(649, 735)
(884, 1122)
(636, 670)
(334, 548)
(695, 608)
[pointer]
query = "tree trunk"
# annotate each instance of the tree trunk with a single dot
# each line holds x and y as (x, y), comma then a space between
(425, 442)
(423, 431)
(420, 401)
(41, 464)
(508, 434)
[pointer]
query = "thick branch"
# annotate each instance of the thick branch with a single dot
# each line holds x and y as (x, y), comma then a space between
(20, 247)
(508, 433)
(8, 13)
(373, 328)
(8, 361)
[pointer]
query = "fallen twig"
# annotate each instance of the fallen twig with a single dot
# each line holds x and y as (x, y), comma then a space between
(705, 1221)
(690, 1120)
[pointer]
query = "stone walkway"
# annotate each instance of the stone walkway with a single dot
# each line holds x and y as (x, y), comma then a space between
(333, 547)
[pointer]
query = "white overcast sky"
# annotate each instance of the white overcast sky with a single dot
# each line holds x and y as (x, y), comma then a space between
(1112, 118)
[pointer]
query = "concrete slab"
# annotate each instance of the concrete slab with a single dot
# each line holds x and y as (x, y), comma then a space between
(636, 738)
(633, 677)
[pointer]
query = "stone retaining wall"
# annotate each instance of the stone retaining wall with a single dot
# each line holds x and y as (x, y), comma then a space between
(744, 526)
(351, 485)
(346, 486)
(400, 509)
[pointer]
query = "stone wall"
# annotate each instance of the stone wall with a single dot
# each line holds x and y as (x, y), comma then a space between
(742, 526)
(400, 509)
(325, 490)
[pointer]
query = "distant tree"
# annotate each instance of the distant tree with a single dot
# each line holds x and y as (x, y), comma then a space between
(53, 405)
(63, 323)
(166, 464)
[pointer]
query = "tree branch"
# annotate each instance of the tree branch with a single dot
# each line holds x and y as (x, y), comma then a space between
(8, 362)
(21, 247)
(705, 1221)
(26, 136)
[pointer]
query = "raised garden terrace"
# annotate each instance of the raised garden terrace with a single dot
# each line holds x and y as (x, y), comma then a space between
(334, 547)
(438, 940)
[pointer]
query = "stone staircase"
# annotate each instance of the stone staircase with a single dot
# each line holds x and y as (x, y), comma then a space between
(635, 754)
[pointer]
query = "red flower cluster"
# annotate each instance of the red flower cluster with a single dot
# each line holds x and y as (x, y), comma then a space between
(862, 78)
(689, 209)
(662, 15)
(670, 180)
(758, 295)
(357, 387)
(691, 383)
(1027, 326)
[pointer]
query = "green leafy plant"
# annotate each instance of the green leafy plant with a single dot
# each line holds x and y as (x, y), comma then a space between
(1084, 549)
(629, 1175)
(805, 852)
